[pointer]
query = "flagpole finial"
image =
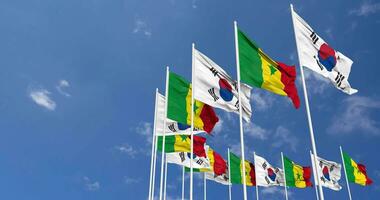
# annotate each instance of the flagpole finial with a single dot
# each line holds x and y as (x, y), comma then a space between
(291, 6)
(156, 90)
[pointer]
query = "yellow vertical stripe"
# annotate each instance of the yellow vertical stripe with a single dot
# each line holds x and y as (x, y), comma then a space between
(198, 123)
(271, 75)
(182, 143)
(298, 176)
(248, 169)
(360, 178)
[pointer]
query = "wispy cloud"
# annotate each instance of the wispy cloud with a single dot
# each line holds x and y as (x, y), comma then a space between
(283, 137)
(127, 149)
(255, 131)
(142, 28)
(355, 114)
(91, 185)
(62, 84)
(278, 191)
(194, 4)
(366, 8)
(130, 180)
(329, 33)
(41, 97)
(146, 130)
(262, 100)
(316, 84)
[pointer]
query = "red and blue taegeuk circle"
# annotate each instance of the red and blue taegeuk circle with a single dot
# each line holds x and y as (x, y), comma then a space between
(225, 90)
(326, 56)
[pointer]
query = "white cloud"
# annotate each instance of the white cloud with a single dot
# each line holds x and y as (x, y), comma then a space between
(41, 97)
(62, 84)
(255, 131)
(91, 185)
(130, 180)
(194, 4)
(316, 84)
(329, 33)
(366, 8)
(283, 137)
(218, 127)
(355, 114)
(142, 27)
(146, 130)
(262, 100)
(127, 149)
(270, 191)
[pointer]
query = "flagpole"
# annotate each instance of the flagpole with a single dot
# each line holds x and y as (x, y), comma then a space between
(151, 185)
(192, 121)
(154, 165)
(183, 182)
(229, 175)
(240, 111)
(204, 186)
(166, 176)
(283, 167)
(345, 173)
(315, 177)
(307, 109)
(257, 187)
(164, 128)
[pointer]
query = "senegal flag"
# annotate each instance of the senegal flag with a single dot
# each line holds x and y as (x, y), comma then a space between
(179, 105)
(236, 171)
(356, 173)
(296, 175)
(259, 70)
(181, 143)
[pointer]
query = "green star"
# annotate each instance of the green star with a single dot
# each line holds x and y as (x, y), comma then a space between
(272, 69)
(183, 137)
(195, 107)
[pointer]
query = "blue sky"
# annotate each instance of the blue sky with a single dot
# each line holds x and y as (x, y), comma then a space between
(78, 78)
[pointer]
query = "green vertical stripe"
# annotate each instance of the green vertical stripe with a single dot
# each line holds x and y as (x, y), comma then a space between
(187, 169)
(178, 91)
(288, 165)
(251, 71)
(169, 143)
(235, 170)
(349, 168)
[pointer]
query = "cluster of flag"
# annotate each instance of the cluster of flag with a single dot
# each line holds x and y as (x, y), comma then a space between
(187, 109)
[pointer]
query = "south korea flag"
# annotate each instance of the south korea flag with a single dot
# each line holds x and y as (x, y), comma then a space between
(266, 174)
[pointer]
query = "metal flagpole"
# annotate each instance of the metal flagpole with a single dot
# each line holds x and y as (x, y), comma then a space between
(151, 185)
(192, 122)
(240, 111)
(315, 176)
(164, 127)
(204, 186)
(283, 168)
(154, 166)
(183, 182)
(166, 176)
(307, 110)
(345, 173)
(229, 175)
(257, 187)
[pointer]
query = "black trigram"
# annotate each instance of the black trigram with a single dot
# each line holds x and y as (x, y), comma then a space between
(267, 180)
(172, 128)
(199, 162)
(314, 37)
(214, 71)
(211, 91)
(182, 156)
(339, 79)
(237, 105)
(264, 165)
(235, 86)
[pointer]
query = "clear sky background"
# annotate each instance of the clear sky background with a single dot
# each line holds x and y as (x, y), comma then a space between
(77, 86)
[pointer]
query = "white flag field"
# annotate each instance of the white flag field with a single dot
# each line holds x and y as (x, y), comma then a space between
(315, 54)
(172, 127)
(329, 173)
(183, 158)
(217, 89)
(266, 174)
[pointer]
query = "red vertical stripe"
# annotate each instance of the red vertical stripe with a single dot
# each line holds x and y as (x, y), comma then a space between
(307, 175)
(220, 165)
(209, 118)
(363, 170)
(199, 146)
(288, 77)
(252, 174)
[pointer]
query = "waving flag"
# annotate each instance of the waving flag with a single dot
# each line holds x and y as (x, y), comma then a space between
(296, 175)
(184, 158)
(181, 143)
(179, 105)
(315, 54)
(266, 174)
(329, 173)
(236, 171)
(356, 173)
(259, 70)
(172, 127)
(217, 89)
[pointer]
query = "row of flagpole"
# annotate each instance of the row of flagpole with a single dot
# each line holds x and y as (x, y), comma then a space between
(163, 177)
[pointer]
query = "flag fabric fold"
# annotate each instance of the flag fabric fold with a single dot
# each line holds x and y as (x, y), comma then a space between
(217, 89)
(179, 105)
(355, 172)
(236, 171)
(266, 174)
(296, 175)
(259, 70)
(181, 143)
(184, 159)
(315, 54)
(329, 173)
